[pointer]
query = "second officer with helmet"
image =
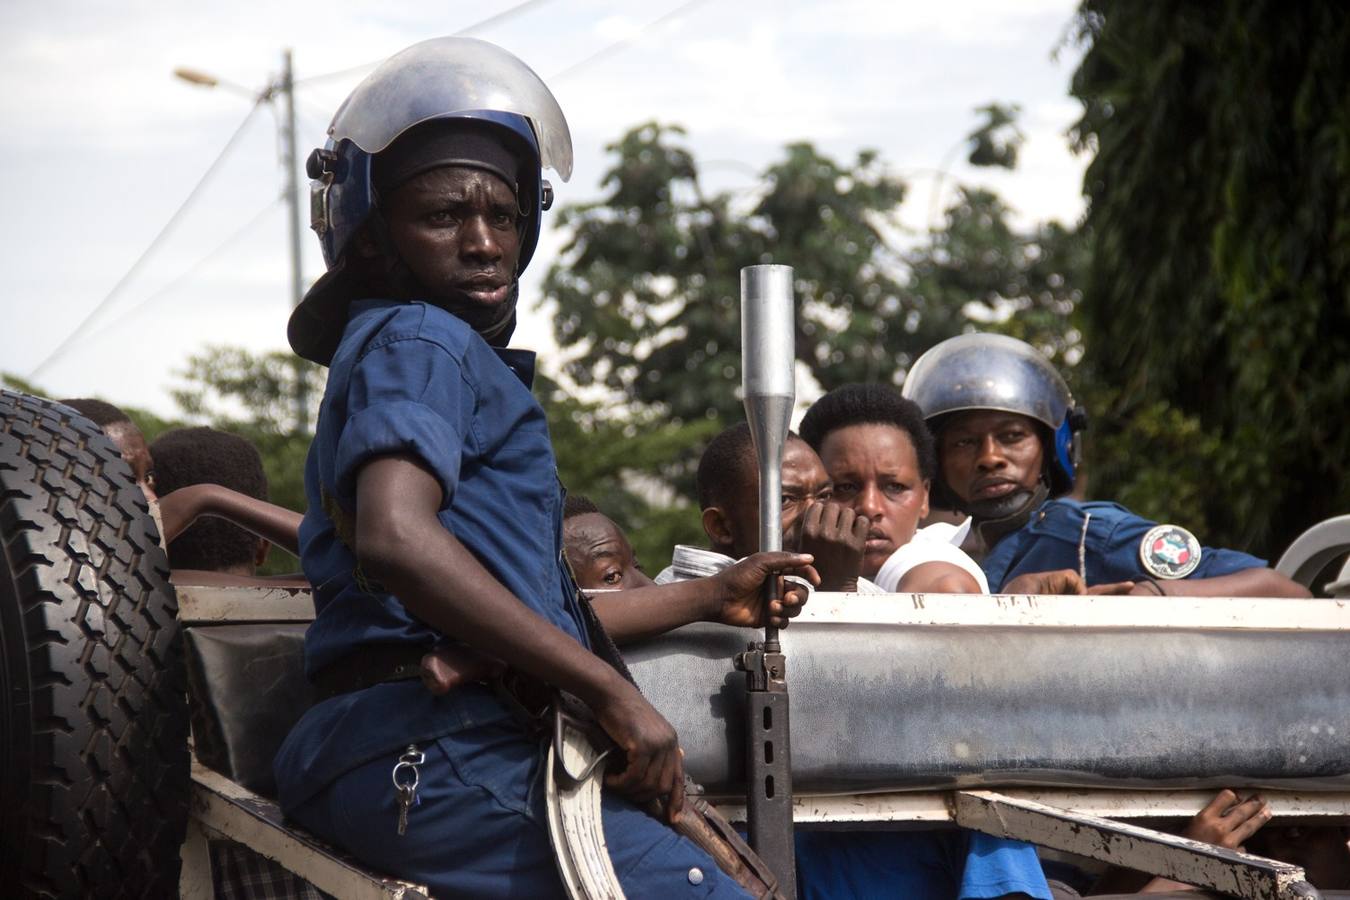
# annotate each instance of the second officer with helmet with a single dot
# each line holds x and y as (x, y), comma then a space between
(1008, 438)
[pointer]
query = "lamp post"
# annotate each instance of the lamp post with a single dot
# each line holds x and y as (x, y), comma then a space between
(284, 88)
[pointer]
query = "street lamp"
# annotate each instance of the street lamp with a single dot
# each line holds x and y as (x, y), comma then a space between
(284, 87)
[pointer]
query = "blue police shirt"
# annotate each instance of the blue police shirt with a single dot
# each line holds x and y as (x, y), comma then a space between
(1051, 538)
(412, 378)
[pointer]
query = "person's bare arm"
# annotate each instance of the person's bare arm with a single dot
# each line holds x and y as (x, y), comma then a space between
(733, 596)
(938, 578)
(1247, 583)
(268, 521)
(401, 543)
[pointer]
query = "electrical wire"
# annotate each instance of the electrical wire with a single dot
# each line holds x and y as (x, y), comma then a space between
(190, 270)
(497, 19)
(154, 244)
(623, 43)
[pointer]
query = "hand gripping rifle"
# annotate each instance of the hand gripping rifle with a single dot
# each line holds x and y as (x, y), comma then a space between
(767, 358)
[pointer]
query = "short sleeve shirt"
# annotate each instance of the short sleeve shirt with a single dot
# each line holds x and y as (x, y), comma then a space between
(1110, 536)
(412, 378)
(939, 542)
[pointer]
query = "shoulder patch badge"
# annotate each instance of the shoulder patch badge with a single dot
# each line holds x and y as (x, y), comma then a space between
(1169, 551)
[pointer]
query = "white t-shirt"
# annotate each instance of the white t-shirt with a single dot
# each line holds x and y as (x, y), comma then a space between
(939, 542)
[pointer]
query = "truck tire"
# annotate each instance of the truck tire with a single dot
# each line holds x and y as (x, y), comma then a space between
(94, 768)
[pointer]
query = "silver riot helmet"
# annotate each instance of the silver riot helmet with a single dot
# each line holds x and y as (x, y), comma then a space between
(440, 79)
(994, 371)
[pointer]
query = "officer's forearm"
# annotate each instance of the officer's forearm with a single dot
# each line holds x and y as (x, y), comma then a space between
(401, 543)
(1247, 583)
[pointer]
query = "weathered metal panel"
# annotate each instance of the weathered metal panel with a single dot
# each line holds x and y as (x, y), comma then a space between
(1003, 700)
(907, 692)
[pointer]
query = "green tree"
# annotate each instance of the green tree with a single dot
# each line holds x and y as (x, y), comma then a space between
(648, 284)
(1217, 312)
(648, 287)
(636, 468)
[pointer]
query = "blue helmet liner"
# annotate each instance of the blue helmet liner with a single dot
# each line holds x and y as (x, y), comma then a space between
(994, 371)
(342, 195)
(443, 79)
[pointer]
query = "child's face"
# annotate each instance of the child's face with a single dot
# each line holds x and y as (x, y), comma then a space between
(456, 229)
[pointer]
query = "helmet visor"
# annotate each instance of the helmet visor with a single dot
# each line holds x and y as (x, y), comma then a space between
(445, 76)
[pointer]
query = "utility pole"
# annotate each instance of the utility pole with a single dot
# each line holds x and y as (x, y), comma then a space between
(290, 158)
(292, 163)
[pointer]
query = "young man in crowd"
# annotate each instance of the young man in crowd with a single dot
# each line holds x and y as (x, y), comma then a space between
(187, 457)
(727, 482)
(597, 549)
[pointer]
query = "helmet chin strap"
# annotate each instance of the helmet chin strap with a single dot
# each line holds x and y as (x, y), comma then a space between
(996, 519)
(494, 324)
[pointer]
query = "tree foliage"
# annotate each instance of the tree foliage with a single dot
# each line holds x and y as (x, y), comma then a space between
(635, 467)
(648, 283)
(1217, 312)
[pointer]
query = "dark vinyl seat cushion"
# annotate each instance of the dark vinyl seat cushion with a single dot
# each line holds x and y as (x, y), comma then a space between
(248, 688)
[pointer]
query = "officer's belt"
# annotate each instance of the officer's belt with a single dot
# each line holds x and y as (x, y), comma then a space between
(371, 665)
(526, 696)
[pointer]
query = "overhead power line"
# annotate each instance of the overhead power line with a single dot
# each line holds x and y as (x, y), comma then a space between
(624, 43)
(190, 270)
(154, 244)
(497, 19)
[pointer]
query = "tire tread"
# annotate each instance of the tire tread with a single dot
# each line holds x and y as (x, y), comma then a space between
(103, 748)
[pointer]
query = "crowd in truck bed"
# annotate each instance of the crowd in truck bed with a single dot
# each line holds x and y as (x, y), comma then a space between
(856, 485)
(438, 543)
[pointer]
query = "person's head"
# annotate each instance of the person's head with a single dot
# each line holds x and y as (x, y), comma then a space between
(119, 428)
(879, 456)
(597, 549)
(728, 490)
(187, 456)
(430, 188)
(1006, 425)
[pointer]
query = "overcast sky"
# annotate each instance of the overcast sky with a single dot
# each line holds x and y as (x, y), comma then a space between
(103, 144)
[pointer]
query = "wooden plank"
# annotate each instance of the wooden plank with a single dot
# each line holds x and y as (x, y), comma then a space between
(213, 605)
(1122, 844)
(223, 807)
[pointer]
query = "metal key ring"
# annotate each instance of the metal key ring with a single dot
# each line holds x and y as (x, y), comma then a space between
(411, 759)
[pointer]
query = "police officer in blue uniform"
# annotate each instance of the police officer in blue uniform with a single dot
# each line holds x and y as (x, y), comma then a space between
(1007, 433)
(434, 512)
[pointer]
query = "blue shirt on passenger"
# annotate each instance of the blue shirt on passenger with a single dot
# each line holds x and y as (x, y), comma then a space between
(1111, 542)
(412, 378)
(950, 864)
